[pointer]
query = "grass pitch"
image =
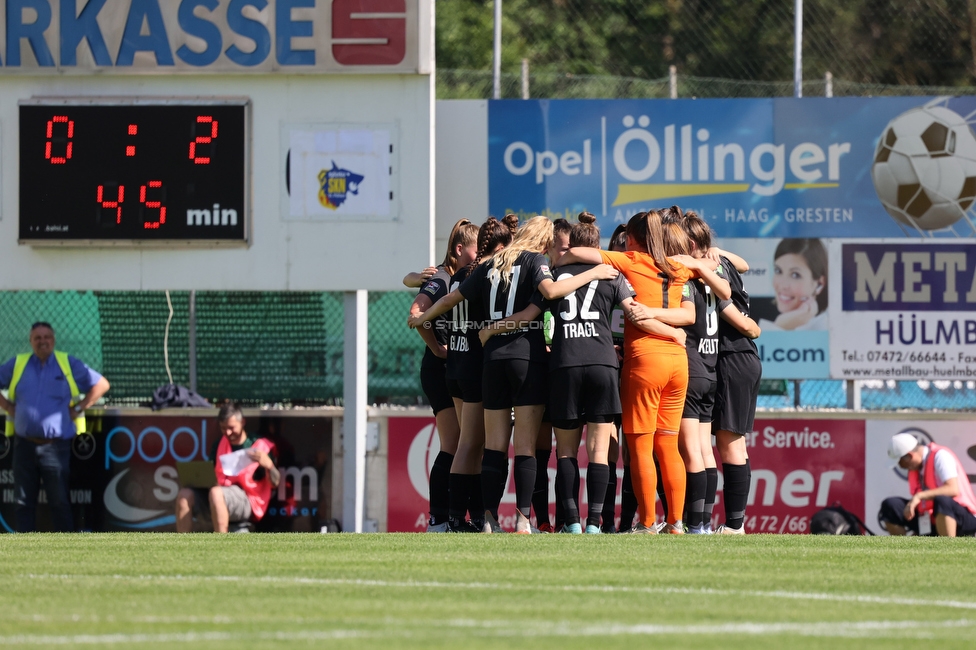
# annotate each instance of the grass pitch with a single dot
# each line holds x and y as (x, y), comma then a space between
(400, 590)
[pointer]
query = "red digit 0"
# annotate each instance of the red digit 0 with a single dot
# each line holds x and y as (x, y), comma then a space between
(48, 146)
(203, 139)
(153, 205)
(117, 204)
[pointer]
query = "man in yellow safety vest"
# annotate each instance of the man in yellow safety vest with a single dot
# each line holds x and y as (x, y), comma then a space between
(45, 411)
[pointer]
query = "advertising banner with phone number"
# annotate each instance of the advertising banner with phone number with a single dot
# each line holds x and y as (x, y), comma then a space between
(798, 468)
(904, 311)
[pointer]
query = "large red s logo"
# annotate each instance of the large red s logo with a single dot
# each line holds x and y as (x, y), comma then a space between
(369, 32)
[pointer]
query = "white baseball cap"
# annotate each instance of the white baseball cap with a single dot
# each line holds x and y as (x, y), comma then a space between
(900, 445)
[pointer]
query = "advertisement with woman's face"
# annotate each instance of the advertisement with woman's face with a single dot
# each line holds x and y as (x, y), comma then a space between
(787, 282)
(799, 286)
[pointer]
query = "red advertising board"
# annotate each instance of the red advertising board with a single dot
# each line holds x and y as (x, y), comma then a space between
(413, 446)
(798, 467)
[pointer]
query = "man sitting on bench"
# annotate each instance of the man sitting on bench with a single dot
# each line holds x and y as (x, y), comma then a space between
(245, 471)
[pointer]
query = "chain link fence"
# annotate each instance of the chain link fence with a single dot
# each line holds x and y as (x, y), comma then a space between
(287, 348)
(743, 46)
(477, 84)
(270, 348)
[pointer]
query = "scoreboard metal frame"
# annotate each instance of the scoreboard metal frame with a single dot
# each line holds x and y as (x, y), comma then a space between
(141, 199)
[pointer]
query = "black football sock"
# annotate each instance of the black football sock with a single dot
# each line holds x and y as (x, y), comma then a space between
(597, 477)
(540, 496)
(439, 487)
(459, 496)
(610, 500)
(476, 504)
(711, 486)
(736, 492)
(567, 477)
(524, 483)
(560, 497)
(576, 485)
(494, 476)
(628, 501)
(695, 499)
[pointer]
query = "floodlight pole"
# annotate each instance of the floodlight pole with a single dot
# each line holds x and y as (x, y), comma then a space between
(355, 307)
(798, 48)
(497, 72)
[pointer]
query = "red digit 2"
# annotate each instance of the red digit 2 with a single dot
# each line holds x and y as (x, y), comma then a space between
(203, 139)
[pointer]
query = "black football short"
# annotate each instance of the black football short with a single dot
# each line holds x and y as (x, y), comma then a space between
(736, 393)
(467, 389)
(434, 383)
(514, 382)
(583, 394)
(700, 399)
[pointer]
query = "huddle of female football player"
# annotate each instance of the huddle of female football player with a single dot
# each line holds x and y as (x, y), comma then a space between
(532, 348)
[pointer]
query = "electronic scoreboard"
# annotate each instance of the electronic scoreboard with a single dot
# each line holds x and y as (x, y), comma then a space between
(131, 172)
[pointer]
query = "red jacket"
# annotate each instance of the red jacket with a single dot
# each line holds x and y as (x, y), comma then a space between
(965, 498)
(258, 492)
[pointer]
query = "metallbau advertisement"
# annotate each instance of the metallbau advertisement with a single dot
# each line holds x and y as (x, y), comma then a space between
(905, 312)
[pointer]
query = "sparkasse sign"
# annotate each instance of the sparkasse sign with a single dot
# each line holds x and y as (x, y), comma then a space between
(215, 36)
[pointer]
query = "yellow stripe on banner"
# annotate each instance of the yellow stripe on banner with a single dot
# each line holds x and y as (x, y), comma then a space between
(636, 193)
(810, 186)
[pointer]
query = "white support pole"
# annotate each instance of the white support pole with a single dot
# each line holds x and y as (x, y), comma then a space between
(525, 78)
(673, 80)
(853, 387)
(497, 74)
(798, 48)
(828, 85)
(192, 347)
(355, 306)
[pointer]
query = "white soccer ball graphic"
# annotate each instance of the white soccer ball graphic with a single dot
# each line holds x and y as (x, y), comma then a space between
(924, 169)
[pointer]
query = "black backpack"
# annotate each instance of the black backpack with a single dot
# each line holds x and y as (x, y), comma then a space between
(837, 520)
(175, 396)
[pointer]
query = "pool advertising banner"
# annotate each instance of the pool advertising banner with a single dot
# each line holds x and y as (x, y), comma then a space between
(124, 476)
(781, 182)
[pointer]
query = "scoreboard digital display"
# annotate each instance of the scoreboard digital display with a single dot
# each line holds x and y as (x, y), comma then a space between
(134, 172)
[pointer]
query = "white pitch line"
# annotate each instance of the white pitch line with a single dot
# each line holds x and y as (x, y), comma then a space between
(409, 584)
(858, 629)
(182, 637)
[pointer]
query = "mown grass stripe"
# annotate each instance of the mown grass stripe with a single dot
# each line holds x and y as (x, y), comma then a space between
(411, 584)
